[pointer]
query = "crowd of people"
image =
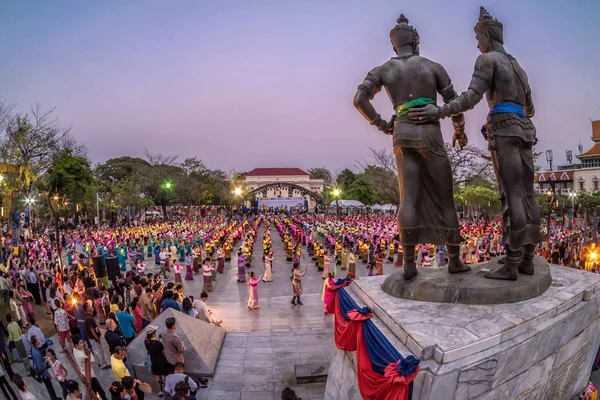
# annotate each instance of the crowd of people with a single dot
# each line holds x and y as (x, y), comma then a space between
(96, 318)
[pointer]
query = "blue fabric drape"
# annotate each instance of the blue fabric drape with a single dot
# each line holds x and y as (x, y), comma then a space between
(506, 107)
(381, 352)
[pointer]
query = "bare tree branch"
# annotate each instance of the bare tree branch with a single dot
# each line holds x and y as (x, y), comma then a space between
(160, 159)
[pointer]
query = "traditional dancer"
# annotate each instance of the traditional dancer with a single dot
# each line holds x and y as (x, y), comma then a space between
(207, 270)
(241, 262)
(253, 295)
(327, 294)
(297, 283)
(268, 261)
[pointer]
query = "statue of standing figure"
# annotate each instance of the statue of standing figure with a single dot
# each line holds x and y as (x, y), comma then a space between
(511, 136)
(427, 213)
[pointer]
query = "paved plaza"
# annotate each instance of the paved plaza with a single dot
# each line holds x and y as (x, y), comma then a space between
(261, 347)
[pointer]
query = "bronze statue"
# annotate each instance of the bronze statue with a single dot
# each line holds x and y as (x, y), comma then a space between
(511, 136)
(427, 213)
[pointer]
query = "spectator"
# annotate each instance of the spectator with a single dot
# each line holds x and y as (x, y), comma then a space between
(168, 301)
(15, 340)
(41, 367)
(112, 338)
(174, 347)
(118, 365)
(73, 389)
(5, 386)
(59, 371)
(160, 367)
(127, 323)
(25, 395)
(34, 330)
(117, 391)
(61, 321)
(179, 376)
(204, 313)
(93, 332)
(79, 354)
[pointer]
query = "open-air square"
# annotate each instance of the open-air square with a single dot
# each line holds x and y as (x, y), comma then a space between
(299, 200)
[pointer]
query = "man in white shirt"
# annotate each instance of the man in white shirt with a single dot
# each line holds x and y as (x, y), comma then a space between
(80, 347)
(204, 313)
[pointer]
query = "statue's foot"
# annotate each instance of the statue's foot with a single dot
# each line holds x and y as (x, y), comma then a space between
(455, 266)
(502, 260)
(526, 266)
(506, 271)
(409, 271)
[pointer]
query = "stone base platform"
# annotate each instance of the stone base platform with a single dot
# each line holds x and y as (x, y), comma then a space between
(542, 348)
(437, 285)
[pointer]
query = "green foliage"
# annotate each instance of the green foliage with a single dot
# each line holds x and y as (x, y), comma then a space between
(478, 198)
(360, 190)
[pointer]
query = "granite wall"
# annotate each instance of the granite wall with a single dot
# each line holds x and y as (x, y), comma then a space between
(550, 361)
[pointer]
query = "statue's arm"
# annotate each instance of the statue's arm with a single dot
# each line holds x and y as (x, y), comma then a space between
(362, 100)
(446, 90)
(529, 109)
(480, 83)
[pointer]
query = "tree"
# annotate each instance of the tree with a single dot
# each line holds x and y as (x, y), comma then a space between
(468, 164)
(345, 179)
(31, 141)
(478, 198)
(68, 179)
(322, 173)
(360, 190)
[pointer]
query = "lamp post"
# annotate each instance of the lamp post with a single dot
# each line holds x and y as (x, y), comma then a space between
(572, 195)
(29, 201)
(336, 194)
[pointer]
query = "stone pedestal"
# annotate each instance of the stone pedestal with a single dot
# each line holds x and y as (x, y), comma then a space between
(542, 348)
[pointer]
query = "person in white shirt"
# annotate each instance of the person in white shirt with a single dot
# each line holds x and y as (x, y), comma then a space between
(79, 354)
(204, 313)
(25, 395)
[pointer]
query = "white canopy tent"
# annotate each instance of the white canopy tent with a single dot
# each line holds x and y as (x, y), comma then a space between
(347, 204)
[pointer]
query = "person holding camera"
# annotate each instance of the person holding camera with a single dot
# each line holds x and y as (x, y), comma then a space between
(179, 376)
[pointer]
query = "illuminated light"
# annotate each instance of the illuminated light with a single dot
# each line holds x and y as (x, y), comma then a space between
(73, 301)
(237, 191)
(55, 197)
(549, 193)
(336, 192)
(1, 178)
(593, 255)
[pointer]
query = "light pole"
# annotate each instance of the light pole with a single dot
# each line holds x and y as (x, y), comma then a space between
(336, 194)
(29, 201)
(572, 195)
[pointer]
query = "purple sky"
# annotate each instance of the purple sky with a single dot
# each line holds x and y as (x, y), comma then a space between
(244, 84)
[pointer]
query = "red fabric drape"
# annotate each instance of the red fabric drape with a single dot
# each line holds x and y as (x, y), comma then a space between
(349, 337)
(372, 386)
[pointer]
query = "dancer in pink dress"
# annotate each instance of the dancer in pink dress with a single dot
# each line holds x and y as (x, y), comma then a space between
(253, 297)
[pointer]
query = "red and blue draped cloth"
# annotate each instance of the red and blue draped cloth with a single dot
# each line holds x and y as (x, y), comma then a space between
(382, 372)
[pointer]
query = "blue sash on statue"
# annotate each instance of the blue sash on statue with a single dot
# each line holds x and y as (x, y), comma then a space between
(506, 107)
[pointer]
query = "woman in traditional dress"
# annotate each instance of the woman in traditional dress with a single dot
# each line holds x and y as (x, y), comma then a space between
(296, 279)
(220, 261)
(268, 273)
(379, 263)
(253, 296)
(241, 267)
(207, 273)
(326, 264)
(351, 264)
(189, 276)
(177, 270)
(327, 294)
(344, 266)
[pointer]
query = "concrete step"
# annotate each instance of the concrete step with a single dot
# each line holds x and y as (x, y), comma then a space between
(309, 373)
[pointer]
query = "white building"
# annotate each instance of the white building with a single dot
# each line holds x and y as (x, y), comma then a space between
(284, 187)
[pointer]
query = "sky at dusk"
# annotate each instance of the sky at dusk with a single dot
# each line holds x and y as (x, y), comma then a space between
(266, 83)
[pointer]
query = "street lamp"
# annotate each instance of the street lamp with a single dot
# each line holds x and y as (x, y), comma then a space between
(336, 194)
(572, 195)
(237, 191)
(29, 201)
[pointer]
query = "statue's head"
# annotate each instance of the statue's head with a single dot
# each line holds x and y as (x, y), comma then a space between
(404, 34)
(488, 29)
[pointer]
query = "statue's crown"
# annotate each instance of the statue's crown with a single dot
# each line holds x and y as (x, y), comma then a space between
(489, 24)
(485, 19)
(402, 23)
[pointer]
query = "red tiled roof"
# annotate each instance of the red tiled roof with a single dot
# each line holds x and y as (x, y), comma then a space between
(550, 176)
(276, 172)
